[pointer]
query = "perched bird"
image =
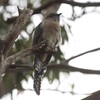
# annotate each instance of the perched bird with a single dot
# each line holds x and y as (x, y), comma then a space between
(49, 30)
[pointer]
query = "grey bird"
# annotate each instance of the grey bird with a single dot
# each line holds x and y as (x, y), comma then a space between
(49, 30)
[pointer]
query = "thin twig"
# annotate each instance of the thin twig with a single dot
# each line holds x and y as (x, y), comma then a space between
(81, 54)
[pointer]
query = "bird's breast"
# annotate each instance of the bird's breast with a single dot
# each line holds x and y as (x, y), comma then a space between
(51, 33)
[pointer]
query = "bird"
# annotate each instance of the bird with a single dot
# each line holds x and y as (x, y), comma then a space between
(49, 30)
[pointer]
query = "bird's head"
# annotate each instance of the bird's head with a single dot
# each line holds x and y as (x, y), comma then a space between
(53, 16)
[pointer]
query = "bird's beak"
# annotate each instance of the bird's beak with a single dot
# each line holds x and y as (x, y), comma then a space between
(59, 14)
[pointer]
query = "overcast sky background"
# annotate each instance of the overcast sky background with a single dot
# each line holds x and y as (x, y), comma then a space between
(85, 36)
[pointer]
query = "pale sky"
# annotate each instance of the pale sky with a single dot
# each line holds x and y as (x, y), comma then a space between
(85, 36)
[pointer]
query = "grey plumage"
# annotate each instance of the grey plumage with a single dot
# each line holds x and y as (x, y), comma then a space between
(49, 30)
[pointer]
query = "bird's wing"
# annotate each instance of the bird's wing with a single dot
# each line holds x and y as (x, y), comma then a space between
(37, 34)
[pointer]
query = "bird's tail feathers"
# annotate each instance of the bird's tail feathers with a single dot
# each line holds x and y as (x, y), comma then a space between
(39, 72)
(37, 82)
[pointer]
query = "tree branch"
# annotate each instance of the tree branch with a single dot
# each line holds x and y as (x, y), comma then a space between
(81, 54)
(62, 67)
(9, 39)
(16, 29)
(65, 66)
(24, 53)
(70, 2)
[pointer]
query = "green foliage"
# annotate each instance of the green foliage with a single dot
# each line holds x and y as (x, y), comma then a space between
(42, 1)
(64, 34)
(58, 56)
(3, 26)
(52, 75)
(19, 44)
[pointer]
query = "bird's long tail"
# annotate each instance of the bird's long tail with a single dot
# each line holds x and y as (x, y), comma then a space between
(39, 72)
(37, 82)
(40, 69)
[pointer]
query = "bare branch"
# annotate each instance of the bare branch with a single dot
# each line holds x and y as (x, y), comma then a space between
(62, 67)
(25, 53)
(81, 54)
(72, 3)
(87, 4)
(16, 29)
